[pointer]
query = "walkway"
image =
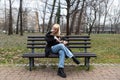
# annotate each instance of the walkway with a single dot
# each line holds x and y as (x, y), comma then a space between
(98, 72)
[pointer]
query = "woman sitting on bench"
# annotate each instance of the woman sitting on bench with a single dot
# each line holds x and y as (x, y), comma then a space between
(57, 46)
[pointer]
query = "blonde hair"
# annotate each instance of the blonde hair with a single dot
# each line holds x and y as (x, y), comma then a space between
(57, 26)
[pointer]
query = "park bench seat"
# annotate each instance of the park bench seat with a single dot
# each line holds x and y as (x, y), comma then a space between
(76, 42)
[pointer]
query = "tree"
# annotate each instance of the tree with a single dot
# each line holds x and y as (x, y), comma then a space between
(115, 20)
(19, 19)
(50, 19)
(80, 18)
(74, 16)
(17, 25)
(21, 28)
(106, 12)
(91, 18)
(44, 13)
(5, 25)
(10, 29)
(58, 13)
(68, 16)
(70, 11)
(92, 24)
(73, 19)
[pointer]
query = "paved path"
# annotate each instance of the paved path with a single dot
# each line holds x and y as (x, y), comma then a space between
(99, 72)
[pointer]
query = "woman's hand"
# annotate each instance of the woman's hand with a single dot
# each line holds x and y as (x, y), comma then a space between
(61, 41)
(65, 42)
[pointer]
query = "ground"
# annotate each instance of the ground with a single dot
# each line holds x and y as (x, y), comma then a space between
(100, 72)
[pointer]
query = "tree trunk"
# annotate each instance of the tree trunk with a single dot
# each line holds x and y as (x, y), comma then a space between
(58, 13)
(91, 25)
(50, 20)
(10, 30)
(106, 12)
(80, 19)
(98, 28)
(5, 25)
(68, 16)
(21, 28)
(17, 25)
(73, 22)
(44, 13)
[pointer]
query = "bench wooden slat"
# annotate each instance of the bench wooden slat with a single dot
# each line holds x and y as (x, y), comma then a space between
(36, 43)
(36, 46)
(36, 39)
(68, 46)
(70, 43)
(36, 36)
(82, 54)
(86, 36)
(70, 39)
(79, 46)
(78, 36)
(79, 43)
(38, 55)
(42, 55)
(79, 39)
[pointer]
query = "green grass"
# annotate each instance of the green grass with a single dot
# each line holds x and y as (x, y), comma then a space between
(106, 46)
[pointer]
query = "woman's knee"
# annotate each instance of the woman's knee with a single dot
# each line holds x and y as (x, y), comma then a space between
(61, 45)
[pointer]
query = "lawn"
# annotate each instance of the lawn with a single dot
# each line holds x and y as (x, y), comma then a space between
(106, 46)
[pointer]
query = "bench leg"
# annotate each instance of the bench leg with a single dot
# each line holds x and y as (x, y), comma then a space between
(87, 63)
(31, 63)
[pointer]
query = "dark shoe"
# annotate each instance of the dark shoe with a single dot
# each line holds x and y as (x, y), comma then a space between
(75, 60)
(61, 72)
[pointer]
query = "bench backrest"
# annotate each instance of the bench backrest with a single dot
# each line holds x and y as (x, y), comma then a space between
(78, 42)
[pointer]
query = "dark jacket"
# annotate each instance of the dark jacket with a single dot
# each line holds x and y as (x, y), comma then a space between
(50, 42)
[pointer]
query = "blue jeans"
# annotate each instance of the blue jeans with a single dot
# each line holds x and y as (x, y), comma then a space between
(62, 50)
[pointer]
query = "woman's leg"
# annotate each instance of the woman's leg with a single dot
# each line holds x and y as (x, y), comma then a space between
(63, 50)
(61, 59)
(56, 48)
(61, 64)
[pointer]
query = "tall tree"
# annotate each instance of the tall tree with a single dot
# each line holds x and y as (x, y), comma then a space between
(74, 16)
(73, 19)
(70, 4)
(92, 21)
(92, 24)
(50, 20)
(80, 18)
(106, 12)
(68, 16)
(17, 25)
(5, 17)
(10, 30)
(21, 27)
(58, 13)
(44, 13)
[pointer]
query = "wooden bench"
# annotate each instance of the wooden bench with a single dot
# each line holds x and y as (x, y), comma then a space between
(77, 42)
